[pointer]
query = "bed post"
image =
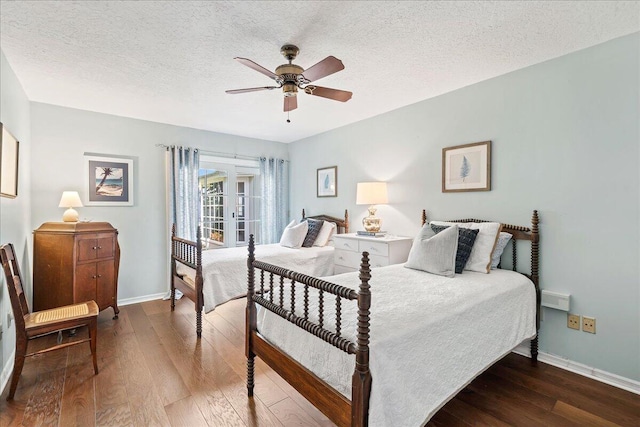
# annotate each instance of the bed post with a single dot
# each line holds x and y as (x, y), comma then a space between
(346, 221)
(361, 380)
(535, 238)
(199, 296)
(250, 321)
(303, 214)
(424, 216)
(173, 269)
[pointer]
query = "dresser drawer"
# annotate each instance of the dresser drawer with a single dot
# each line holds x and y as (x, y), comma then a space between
(346, 244)
(374, 248)
(346, 258)
(378, 261)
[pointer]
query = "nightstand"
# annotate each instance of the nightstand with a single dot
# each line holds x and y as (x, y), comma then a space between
(382, 251)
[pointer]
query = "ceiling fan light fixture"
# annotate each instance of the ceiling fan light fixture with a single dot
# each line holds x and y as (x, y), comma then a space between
(289, 89)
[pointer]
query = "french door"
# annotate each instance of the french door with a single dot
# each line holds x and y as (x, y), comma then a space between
(230, 204)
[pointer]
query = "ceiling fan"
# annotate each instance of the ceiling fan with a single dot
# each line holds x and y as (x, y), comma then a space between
(291, 77)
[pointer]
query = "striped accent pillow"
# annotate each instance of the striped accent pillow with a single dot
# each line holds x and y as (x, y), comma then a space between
(466, 238)
(312, 233)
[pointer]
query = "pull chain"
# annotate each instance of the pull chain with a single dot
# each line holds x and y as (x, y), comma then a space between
(288, 121)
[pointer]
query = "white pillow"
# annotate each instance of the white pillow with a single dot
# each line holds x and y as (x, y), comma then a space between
(434, 253)
(483, 247)
(503, 239)
(293, 235)
(328, 229)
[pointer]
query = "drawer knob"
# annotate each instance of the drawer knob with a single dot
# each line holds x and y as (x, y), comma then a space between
(99, 247)
(93, 277)
(347, 245)
(99, 275)
(94, 248)
(373, 249)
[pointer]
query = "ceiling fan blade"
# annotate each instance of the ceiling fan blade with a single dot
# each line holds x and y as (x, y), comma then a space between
(251, 89)
(259, 68)
(325, 92)
(327, 66)
(290, 103)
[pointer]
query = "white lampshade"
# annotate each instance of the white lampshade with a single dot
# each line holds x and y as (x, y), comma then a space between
(371, 193)
(70, 199)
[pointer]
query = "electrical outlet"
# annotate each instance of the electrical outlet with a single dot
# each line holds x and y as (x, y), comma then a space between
(589, 324)
(573, 321)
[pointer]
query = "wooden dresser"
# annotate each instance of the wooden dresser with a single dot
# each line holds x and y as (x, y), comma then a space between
(75, 262)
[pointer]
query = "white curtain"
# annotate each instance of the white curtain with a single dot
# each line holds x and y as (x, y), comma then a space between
(274, 213)
(184, 196)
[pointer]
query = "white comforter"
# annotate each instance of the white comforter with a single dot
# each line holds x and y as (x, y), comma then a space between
(430, 336)
(224, 271)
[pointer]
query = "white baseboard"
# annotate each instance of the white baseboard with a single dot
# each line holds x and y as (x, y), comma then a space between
(584, 370)
(136, 300)
(6, 370)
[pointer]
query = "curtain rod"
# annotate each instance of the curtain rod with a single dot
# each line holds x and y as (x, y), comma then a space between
(217, 153)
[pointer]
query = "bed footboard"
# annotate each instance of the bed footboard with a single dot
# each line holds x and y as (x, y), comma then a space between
(190, 254)
(333, 404)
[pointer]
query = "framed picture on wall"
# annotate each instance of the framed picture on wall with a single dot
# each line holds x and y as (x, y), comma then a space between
(466, 167)
(109, 181)
(8, 164)
(327, 182)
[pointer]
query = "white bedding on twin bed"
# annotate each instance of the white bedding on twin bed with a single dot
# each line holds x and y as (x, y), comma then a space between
(224, 271)
(430, 336)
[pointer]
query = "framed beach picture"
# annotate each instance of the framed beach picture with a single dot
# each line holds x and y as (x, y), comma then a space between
(8, 164)
(109, 181)
(327, 184)
(466, 167)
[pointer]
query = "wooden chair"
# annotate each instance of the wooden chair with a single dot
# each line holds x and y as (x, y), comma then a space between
(35, 325)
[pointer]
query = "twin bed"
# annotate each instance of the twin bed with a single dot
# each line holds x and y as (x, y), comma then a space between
(392, 346)
(212, 277)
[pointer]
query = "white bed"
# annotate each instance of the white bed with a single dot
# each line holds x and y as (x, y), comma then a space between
(405, 341)
(472, 321)
(224, 271)
(210, 278)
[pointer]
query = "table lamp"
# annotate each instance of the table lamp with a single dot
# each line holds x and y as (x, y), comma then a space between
(371, 193)
(70, 200)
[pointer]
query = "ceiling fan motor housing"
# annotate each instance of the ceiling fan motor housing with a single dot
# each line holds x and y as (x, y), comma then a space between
(290, 76)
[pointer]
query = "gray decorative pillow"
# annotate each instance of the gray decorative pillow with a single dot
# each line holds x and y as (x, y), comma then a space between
(503, 239)
(466, 238)
(315, 226)
(434, 253)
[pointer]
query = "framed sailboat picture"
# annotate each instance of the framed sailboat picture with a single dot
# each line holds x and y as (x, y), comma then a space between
(327, 184)
(109, 181)
(467, 167)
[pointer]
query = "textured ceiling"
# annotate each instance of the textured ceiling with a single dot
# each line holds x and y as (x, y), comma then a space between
(171, 61)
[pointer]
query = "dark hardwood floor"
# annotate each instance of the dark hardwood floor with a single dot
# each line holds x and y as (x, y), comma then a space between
(153, 371)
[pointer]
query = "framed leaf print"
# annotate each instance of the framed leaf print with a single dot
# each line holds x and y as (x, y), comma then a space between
(466, 167)
(327, 182)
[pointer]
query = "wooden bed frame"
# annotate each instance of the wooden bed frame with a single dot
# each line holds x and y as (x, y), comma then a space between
(333, 404)
(189, 253)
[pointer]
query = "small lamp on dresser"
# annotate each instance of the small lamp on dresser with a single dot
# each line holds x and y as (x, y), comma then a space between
(70, 200)
(371, 193)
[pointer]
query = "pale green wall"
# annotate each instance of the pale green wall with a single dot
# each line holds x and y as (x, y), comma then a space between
(15, 214)
(565, 141)
(60, 138)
